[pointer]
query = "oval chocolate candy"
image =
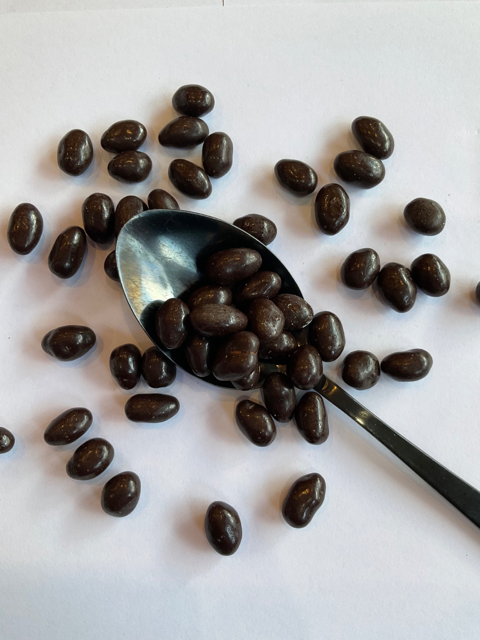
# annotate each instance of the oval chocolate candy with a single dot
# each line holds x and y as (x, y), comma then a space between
(68, 427)
(90, 460)
(311, 418)
(69, 342)
(431, 275)
(407, 366)
(296, 177)
(231, 265)
(189, 179)
(326, 334)
(305, 497)
(161, 199)
(217, 154)
(184, 132)
(75, 152)
(223, 528)
(121, 494)
(258, 226)
(332, 208)
(193, 100)
(125, 365)
(25, 228)
(360, 269)
(157, 370)
(237, 357)
(298, 313)
(373, 136)
(125, 135)
(361, 370)
(279, 397)
(67, 253)
(171, 323)
(425, 216)
(304, 367)
(215, 320)
(255, 423)
(130, 167)
(359, 168)
(151, 407)
(397, 287)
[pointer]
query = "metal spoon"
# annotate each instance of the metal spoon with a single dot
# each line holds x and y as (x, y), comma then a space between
(160, 255)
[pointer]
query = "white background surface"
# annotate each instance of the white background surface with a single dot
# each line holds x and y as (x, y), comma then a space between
(385, 556)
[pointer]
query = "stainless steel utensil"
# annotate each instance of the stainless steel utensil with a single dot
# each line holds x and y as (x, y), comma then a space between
(160, 255)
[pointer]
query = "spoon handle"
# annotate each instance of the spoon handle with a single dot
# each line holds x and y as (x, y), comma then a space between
(458, 492)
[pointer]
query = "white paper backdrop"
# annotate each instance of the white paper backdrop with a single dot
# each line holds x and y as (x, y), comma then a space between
(385, 556)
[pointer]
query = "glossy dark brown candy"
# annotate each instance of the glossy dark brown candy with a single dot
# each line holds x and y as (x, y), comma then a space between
(258, 226)
(193, 100)
(90, 459)
(305, 497)
(7, 440)
(361, 370)
(217, 154)
(237, 357)
(125, 365)
(75, 152)
(359, 168)
(477, 292)
(171, 323)
(98, 214)
(213, 320)
(25, 228)
(279, 397)
(304, 367)
(199, 353)
(265, 319)
(360, 269)
(68, 427)
(69, 342)
(110, 267)
(121, 494)
(232, 265)
(425, 216)
(209, 294)
(151, 407)
(332, 208)
(408, 366)
(184, 132)
(127, 208)
(255, 423)
(248, 382)
(67, 253)
(125, 135)
(157, 370)
(311, 418)
(223, 528)
(296, 177)
(263, 284)
(325, 333)
(298, 313)
(161, 199)
(397, 287)
(431, 275)
(373, 136)
(130, 166)
(279, 349)
(189, 179)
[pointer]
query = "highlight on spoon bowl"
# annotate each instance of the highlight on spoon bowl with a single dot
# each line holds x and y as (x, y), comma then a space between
(161, 254)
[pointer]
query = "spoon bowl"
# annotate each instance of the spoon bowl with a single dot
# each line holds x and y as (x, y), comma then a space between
(161, 255)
